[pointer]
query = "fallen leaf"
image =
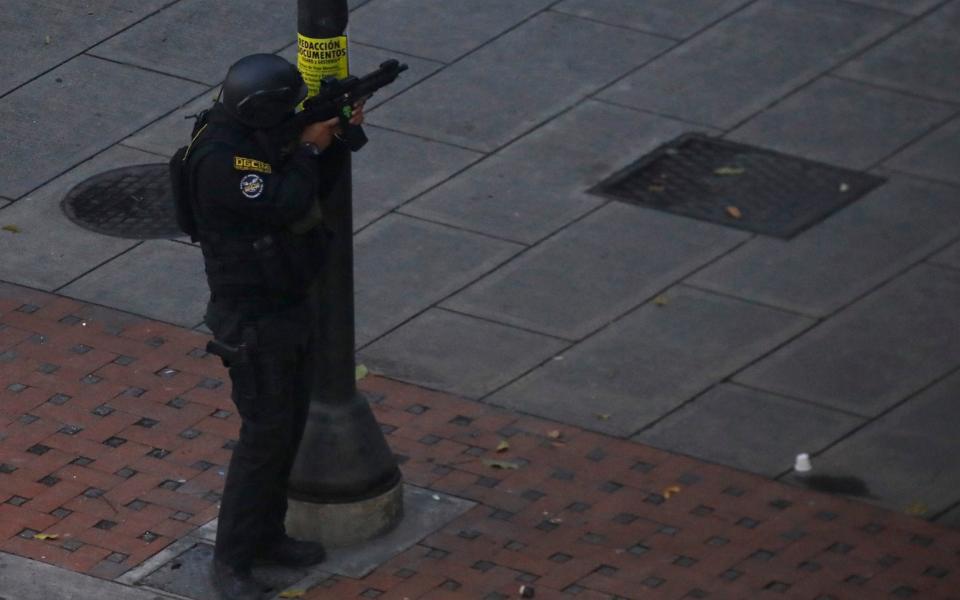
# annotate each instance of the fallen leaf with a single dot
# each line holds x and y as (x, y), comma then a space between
(657, 188)
(503, 446)
(46, 536)
(554, 434)
(661, 300)
(670, 491)
(11, 228)
(602, 416)
(500, 464)
(734, 212)
(728, 171)
(361, 372)
(917, 509)
(293, 594)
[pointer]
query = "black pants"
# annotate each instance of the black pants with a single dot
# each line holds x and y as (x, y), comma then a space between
(270, 392)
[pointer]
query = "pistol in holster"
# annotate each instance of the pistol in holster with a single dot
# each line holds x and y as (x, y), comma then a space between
(239, 359)
(235, 355)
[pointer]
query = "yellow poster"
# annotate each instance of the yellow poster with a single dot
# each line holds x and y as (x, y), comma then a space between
(318, 58)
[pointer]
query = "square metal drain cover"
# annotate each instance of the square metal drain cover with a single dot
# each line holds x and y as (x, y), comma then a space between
(737, 185)
(183, 568)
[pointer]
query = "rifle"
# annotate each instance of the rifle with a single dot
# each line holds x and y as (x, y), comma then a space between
(336, 99)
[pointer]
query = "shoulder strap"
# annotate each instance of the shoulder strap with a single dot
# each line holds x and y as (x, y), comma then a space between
(183, 182)
(193, 141)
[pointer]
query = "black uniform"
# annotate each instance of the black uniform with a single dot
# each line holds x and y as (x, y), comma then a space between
(247, 199)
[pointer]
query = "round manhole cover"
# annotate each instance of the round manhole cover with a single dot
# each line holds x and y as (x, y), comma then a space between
(130, 202)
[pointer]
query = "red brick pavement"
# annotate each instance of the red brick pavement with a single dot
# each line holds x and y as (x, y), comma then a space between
(114, 431)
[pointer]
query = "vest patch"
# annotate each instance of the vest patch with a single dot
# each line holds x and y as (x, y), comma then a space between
(251, 186)
(241, 163)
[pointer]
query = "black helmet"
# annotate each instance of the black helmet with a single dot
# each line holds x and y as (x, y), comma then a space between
(261, 90)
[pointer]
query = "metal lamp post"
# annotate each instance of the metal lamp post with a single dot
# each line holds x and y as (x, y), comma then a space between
(345, 486)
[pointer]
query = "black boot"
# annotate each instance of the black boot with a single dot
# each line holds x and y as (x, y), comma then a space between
(289, 552)
(234, 584)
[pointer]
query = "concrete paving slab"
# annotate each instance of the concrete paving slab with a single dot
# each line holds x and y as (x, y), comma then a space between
(438, 29)
(169, 133)
(678, 20)
(748, 429)
(478, 104)
(535, 186)
(936, 156)
(50, 251)
(388, 291)
(4, 202)
(876, 352)
(74, 112)
(843, 123)
(25, 579)
(908, 7)
(906, 457)
(949, 257)
(200, 39)
(655, 359)
(41, 34)
(753, 58)
(827, 267)
(395, 167)
(159, 279)
(922, 59)
(430, 350)
(594, 271)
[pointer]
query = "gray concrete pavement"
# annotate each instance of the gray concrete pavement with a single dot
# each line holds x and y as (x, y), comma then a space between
(25, 579)
(486, 269)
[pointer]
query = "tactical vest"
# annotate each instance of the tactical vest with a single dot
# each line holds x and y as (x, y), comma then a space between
(240, 262)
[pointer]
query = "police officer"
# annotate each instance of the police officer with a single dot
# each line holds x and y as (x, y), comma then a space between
(255, 204)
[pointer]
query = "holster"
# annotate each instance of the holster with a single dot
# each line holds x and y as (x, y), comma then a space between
(240, 360)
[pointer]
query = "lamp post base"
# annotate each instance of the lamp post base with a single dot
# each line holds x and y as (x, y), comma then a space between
(345, 524)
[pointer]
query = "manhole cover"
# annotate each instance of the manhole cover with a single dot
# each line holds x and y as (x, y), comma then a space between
(130, 202)
(737, 185)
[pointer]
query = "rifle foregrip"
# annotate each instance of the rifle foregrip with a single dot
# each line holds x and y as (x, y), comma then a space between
(355, 138)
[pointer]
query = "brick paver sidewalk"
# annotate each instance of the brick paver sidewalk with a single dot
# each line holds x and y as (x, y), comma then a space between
(115, 431)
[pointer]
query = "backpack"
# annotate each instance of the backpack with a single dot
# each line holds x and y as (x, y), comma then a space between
(180, 181)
